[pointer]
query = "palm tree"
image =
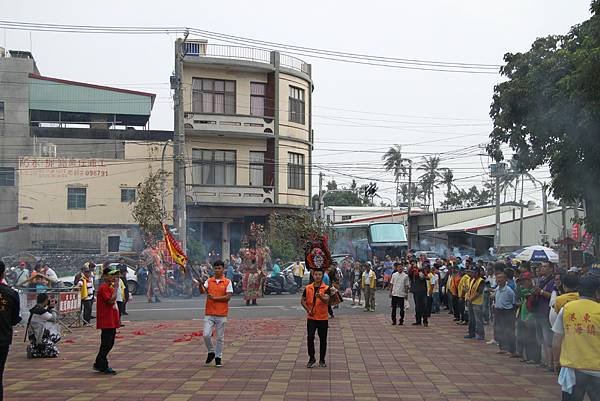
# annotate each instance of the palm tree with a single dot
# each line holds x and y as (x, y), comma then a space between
(430, 179)
(447, 179)
(394, 162)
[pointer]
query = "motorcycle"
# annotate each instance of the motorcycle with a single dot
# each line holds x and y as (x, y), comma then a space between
(236, 282)
(284, 282)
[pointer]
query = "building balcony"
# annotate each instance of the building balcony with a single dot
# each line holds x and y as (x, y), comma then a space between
(227, 124)
(201, 51)
(233, 195)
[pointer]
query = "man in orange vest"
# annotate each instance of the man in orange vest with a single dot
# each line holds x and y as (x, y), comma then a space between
(218, 293)
(577, 341)
(315, 300)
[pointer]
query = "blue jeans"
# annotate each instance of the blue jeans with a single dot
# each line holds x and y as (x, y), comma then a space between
(218, 323)
(476, 321)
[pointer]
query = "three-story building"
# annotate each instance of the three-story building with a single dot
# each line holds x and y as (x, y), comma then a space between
(249, 140)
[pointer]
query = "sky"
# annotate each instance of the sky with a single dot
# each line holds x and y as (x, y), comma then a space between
(359, 111)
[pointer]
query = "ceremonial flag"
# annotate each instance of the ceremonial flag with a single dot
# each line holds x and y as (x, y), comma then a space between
(177, 254)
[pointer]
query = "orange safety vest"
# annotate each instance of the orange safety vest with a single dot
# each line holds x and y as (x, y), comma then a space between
(217, 289)
(319, 309)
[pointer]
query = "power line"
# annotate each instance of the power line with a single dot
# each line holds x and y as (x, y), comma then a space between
(331, 55)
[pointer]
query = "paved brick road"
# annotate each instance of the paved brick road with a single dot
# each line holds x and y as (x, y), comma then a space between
(265, 360)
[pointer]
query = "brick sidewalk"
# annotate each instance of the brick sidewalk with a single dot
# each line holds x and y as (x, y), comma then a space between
(265, 360)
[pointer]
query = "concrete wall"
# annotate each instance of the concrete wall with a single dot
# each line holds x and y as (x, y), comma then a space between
(44, 183)
(14, 133)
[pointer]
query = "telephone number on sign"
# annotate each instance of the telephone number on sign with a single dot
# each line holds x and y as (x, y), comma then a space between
(96, 173)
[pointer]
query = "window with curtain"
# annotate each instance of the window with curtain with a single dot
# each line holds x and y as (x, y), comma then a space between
(296, 105)
(213, 96)
(295, 171)
(257, 169)
(213, 167)
(258, 92)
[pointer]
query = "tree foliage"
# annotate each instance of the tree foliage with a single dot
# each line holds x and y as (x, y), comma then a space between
(469, 198)
(287, 234)
(148, 212)
(548, 111)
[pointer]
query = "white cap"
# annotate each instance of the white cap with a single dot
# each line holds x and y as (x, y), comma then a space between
(574, 269)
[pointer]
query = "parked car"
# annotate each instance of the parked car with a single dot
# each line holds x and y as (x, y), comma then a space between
(430, 255)
(132, 285)
(306, 277)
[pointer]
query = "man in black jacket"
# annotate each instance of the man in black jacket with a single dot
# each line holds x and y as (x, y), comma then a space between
(9, 316)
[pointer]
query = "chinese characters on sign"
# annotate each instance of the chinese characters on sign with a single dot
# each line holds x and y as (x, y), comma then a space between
(46, 167)
(585, 326)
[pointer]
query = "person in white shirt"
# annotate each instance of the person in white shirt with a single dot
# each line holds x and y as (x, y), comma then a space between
(50, 273)
(399, 285)
(22, 274)
(434, 280)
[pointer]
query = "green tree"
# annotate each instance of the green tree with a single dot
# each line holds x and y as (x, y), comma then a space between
(148, 212)
(548, 112)
(394, 162)
(447, 179)
(430, 178)
(287, 234)
(343, 196)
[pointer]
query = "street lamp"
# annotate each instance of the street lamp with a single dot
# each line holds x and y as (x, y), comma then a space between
(391, 205)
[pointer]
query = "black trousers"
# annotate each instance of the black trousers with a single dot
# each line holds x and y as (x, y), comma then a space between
(121, 306)
(298, 281)
(398, 302)
(87, 310)
(504, 329)
(321, 327)
(3, 355)
(455, 308)
(420, 306)
(462, 314)
(107, 341)
(585, 384)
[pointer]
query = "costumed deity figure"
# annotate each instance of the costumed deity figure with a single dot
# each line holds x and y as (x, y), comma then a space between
(151, 258)
(255, 256)
(318, 257)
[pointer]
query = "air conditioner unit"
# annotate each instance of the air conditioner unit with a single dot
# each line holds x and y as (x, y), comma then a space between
(47, 150)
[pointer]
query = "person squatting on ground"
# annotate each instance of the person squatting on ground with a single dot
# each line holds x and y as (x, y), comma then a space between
(218, 293)
(42, 329)
(315, 301)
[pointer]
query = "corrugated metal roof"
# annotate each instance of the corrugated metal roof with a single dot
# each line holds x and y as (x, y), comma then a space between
(489, 221)
(53, 94)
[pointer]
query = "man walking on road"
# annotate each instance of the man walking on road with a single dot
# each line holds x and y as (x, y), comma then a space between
(315, 301)
(107, 318)
(418, 286)
(9, 316)
(298, 271)
(399, 285)
(218, 293)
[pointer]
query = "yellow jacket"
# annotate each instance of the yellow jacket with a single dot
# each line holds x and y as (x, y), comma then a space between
(581, 341)
(463, 285)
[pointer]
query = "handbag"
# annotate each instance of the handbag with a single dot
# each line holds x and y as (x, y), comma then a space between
(335, 298)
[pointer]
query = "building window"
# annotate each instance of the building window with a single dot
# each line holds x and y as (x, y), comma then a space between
(258, 93)
(257, 169)
(1, 110)
(7, 177)
(76, 198)
(213, 96)
(128, 195)
(295, 171)
(296, 105)
(114, 243)
(213, 167)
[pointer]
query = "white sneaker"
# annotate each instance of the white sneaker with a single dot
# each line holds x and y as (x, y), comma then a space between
(492, 342)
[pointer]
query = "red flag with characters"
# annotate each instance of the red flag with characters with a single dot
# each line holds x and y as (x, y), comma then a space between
(175, 251)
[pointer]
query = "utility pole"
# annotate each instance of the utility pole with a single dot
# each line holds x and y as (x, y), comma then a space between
(321, 208)
(521, 217)
(408, 239)
(179, 193)
(497, 171)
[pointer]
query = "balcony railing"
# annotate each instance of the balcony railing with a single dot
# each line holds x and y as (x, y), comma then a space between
(200, 49)
(232, 194)
(229, 123)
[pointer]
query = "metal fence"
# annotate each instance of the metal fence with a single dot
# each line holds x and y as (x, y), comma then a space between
(243, 53)
(66, 301)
